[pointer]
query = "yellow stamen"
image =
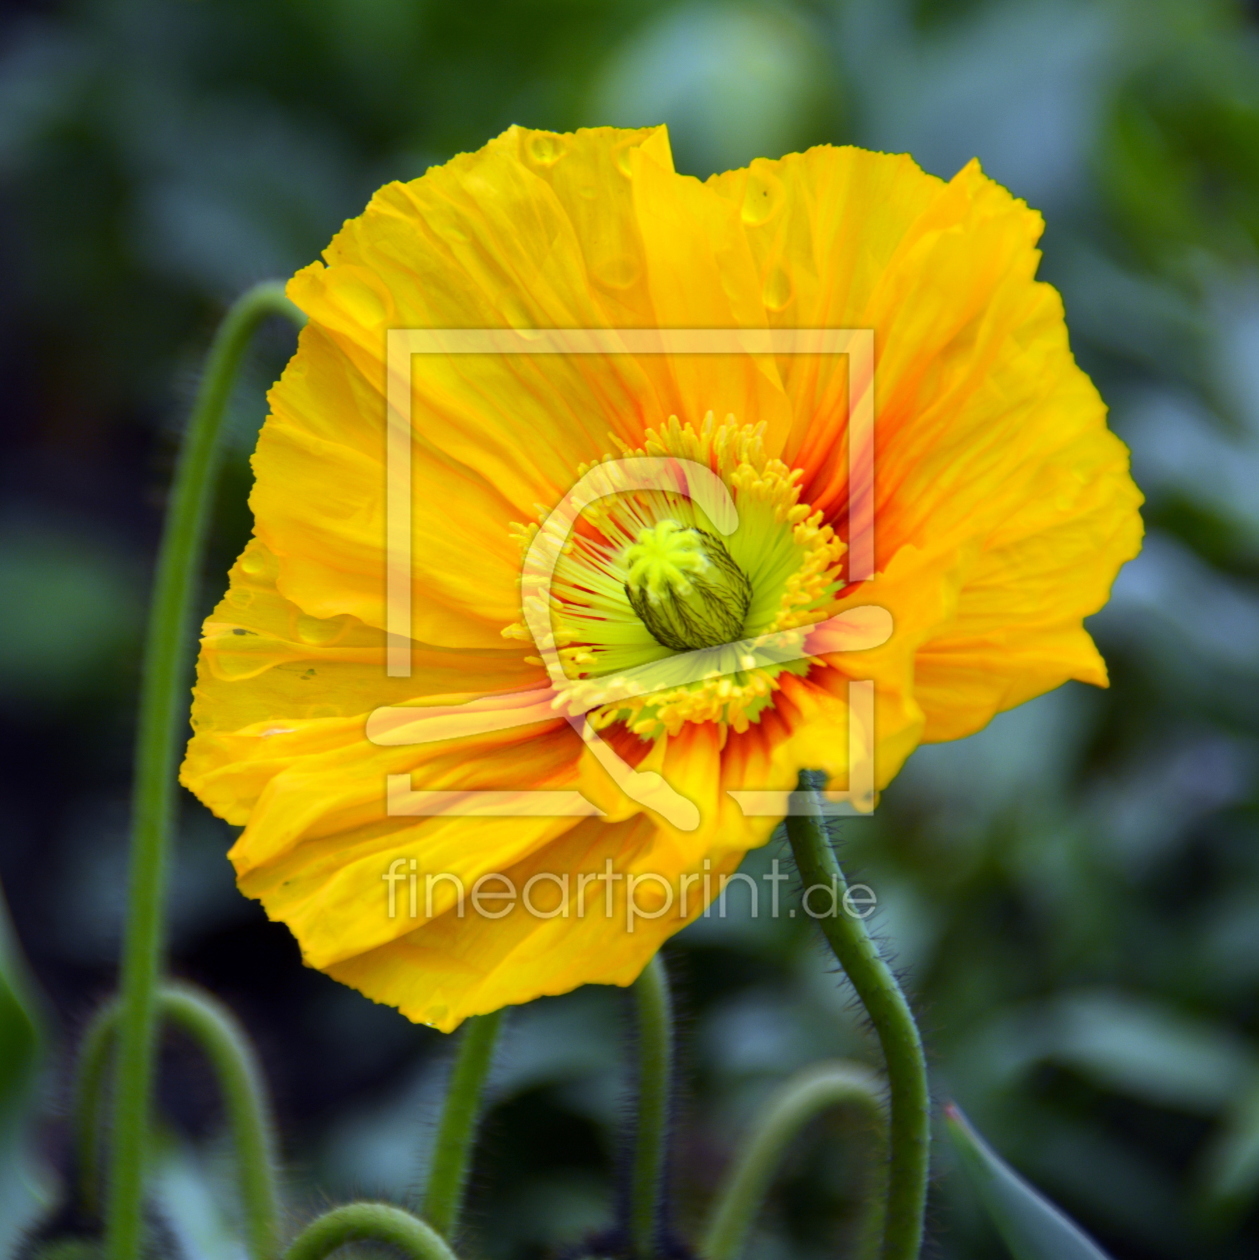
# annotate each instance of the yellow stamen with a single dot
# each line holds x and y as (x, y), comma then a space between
(650, 577)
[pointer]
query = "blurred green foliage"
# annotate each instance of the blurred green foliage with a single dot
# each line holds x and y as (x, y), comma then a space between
(76, 619)
(23, 1188)
(1073, 894)
(1031, 1227)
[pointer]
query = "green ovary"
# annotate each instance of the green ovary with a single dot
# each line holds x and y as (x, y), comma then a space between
(685, 587)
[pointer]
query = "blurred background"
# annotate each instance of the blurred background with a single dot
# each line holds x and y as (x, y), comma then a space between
(1073, 894)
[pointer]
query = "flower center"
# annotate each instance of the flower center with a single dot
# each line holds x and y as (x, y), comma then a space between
(685, 587)
(644, 582)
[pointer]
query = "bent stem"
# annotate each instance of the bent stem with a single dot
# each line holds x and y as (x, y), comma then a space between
(368, 1222)
(163, 700)
(885, 1003)
(797, 1102)
(241, 1086)
(655, 1073)
(452, 1151)
(244, 1092)
(91, 1067)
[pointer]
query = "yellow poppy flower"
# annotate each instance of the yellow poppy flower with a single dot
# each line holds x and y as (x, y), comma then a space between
(1002, 510)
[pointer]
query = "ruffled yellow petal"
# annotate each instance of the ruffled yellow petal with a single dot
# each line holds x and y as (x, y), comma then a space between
(319, 841)
(992, 443)
(453, 966)
(267, 666)
(503, 238)
(1018, 631)
(456, 967)
(327, 532)
(701, 274)
(819, 254)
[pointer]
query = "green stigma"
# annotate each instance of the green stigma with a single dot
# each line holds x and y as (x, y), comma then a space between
(685, 587)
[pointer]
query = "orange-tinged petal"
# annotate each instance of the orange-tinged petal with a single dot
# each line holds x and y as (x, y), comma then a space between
(485, 242)
(455, 967)
(701, 274)
(820, 253)
(1018, 629)
(320, 841)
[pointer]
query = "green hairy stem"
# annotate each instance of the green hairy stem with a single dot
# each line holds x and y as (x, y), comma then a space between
(91, 1086)
(162, 723)
(241, 1086)
(452, 1152)
(893, 1021)
(751, 1174)
(655, 1073)
(369, 1222)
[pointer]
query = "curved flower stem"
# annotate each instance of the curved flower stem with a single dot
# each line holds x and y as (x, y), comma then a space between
(452, 1151)
(240, 1083)
(216, 1030)
(796, 1103)
(90, 1073)
(876, 986)
(368, 1222)
(655, 1073)
(163, 699)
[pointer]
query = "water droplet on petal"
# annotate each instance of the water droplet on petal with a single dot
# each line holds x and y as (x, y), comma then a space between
(778, 289)
(362, 299)
(323, 711)
(617, 273)
(237, 666)
(762, 197)
(623, 156)
(240, 597)
(546, 149)
(320, 629)
(519, 318)
(258, 563)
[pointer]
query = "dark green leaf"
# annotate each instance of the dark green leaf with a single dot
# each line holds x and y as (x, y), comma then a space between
(21, 1042)
(1031, 1226)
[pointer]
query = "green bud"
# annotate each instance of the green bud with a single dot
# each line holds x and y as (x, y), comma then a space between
(685, 587)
